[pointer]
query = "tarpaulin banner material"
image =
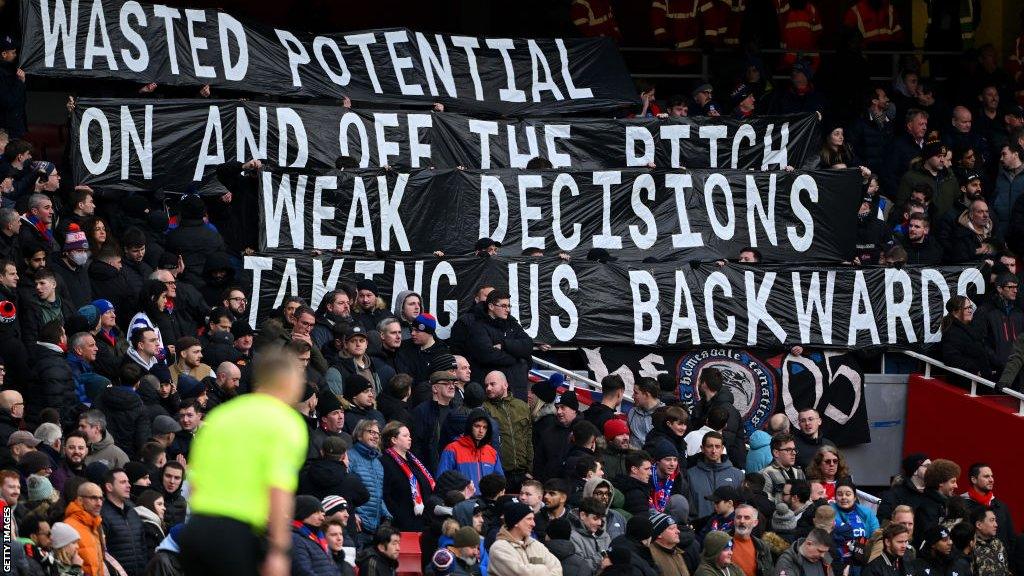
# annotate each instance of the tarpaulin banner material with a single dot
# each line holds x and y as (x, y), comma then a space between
(635, 214)
(586, 302)
(145, 43)
(762, 382)
(145, 144)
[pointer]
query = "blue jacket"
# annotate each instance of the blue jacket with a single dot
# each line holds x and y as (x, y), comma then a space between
(1009, 189)
(78, 367)
(364, 462)
(309, 559)
(760, 454)
(859, 522)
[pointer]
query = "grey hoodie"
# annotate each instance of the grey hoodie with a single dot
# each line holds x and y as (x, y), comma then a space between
(614, 522)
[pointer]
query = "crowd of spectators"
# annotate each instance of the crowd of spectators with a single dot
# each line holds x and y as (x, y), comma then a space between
(125, 326)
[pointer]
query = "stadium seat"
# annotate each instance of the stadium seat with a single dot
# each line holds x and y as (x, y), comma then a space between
(409, 561)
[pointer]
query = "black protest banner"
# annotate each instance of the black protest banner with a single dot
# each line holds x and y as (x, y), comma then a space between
(143, 144)
(145, 43)
(586, 302)
(762, 382)
(634, 214)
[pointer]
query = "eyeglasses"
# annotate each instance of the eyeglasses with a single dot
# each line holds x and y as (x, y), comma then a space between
(92, 497)
(373, 432)
(830, 461)
(790, 450)
(238, 299)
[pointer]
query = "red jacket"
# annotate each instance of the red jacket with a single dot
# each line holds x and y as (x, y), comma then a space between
(595, 18)
(876, 26)
(675, 23)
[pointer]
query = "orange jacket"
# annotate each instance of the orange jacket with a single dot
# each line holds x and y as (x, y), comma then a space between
(91, 546)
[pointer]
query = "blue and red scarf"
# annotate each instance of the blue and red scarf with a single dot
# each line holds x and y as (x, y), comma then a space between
(40, 226)
(306, 531)
(414, 485)
(661, 491)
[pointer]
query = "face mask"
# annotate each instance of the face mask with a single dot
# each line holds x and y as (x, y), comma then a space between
(79, 257)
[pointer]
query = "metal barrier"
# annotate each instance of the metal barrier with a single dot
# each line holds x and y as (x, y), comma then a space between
(573, 378)
(973, 378)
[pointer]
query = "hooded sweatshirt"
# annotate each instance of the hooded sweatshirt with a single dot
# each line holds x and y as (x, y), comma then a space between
(760, 454)
(614, 521)
(473, 459)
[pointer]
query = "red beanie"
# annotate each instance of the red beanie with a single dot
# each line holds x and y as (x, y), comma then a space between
(615, 427)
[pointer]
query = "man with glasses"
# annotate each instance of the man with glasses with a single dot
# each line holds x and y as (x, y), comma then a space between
(83, 514)
(498, 342)
(703, 98)
(807, 557)
(302, 329)
(236, 303)
(808, 437)
(783, 466)
(428, 419)
(1000, 321)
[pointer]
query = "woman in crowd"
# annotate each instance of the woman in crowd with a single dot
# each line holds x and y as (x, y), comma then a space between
(854, 522)
(96, 229)
(364, 461)
(151, 509)
(64, 542)
(153, 302)
(895, 539)
(407, 482)
(962, 346)
(829, 467)
(836, 152)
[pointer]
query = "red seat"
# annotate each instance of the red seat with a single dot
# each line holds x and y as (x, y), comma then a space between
(410, 562)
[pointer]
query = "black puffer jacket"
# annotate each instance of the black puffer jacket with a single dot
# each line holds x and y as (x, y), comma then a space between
(963, 347)
(8, 426)
(76, 281)
(512, 359)
(459, 339)
(194, 241)
(112, 284)
(127, 419)
(176, 506)
(124, 536)
(322, 478)
(53, 385)
(572, 562)
(308, 558)
(213, 289)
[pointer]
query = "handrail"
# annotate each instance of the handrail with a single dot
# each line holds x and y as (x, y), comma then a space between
(572, 377)
(973, 378)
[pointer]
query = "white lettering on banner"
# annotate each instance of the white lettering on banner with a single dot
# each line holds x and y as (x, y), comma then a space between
(814, 305)
(98, 28)
(929, 278)
(469, 46)
(510, 93)
(757, 307)
(400, 63)
(436, 65)
(60, 27)
(862, 314)
(322, 212)
(141, 62)
(169, 15)
(228, 28)
(90, 116)
(532, 326)
(680, 301)
(197, 43)
(564, 273)
(898, 308)
(143, 145)
(565, 243)
(645, 310)
(843, 375)
(213, 134)
(276, 203)
(363, 41)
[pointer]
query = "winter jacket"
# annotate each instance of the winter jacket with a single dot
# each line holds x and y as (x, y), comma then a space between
(427, 420)
(516, 428)
(123, 530)
(570, 559)
(640, 421)
(112, 284)
(1008, 190)
(354, 414)
(13, 98)
(91, 545)
(152, 531)
(321, 478)
(510, 557)
(870, 140)
(474, 459)
(886, 565)
(807, 447)
(640, 558)
(76, 281)
(704, 478)
(364, 462)
(775, 477)
(669, 562)
(792, 563)
(127, 419)
(760, 454)
(944, 187)
(458, 341)
(613, 461)
(590, 546)
(8, 425)
(107, 452)
(1000, 323)
(963, 347)
(370, 562)
(903, 493)
(550, 445)
(195, 241)
(966, 241)
(53, 385)
(1005, 532)
(636, 493)
(309, 559)
(398, 493)
(176, 505)
(37, 313)
(902, 150)
(512, 359)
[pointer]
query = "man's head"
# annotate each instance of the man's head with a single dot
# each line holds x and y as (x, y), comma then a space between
(356, 341)
(479, 429)
(918, 227)
(76, 447)
(10, 222)
(1010, 156)
(917, 123)
(486, 247)
(567, 406)
(531, 493)
(985, 523)
(784, 450)
(712, 446)
(46, 284)
(422, 332)
(90, 498)
(305, 320)
(904, 516)
(388, 541)
(339, 303)
(93, 424)
(989, 98)
(677, 107)
(710, 382)
(228, 377)
(117, 486)
(639, 465)
(41, 207)
(745, 521)
(518, 520)
(816, 545)
(591, 513)
(499, 304)
(390, 333)
(809, 421)
(189, 415)
(646, 393)
(145, 342)
(463, 372)
(981, 477)
(556, 494)
(613, 388)
(941, 476)
(795, 493)
(748, 255)
(979, 215)
(84, 345)
(442, 387)
(219, 320)
(12, 403)
(495, 385)
(10, 487)
(724, 499)
(961, 119)
(172, 476)
(235, 301)
(664, 531)
(189, 352)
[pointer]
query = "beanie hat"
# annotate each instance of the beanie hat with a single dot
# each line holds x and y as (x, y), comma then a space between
(425, 323)
(367, 284)
(34, 461)
(619, 556)
(39, 488)
(327, 402)
(96, 472)
(569, 400)
(740, 93)
(62, 534)
(714, 543)
(162, 373)
(333, 504)
(355, 385)
(164, 424)
(442, 361)
(192, 207)
(664, 449)
(75, 239)
(90, 313)
(678, 508)
(306, 506)
(473, 395)
(466, 537)
(514, 512)
(932, 149)
(78, 323)
(167, 261)
(443, 560)
(451, 480)
(545, 391)
(615, 427)
(102, 306)
(241, 328)
(43, 166)
(559, 529)
(912, 462)
(639, 527)
(783, 520)
(189, 387)
(334, 446)
(135, 471)
(934, 534)
(659, 523)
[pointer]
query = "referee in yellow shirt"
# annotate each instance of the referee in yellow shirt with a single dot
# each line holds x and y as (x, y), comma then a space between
(243, 470)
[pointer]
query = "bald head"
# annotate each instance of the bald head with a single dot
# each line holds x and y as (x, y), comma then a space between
(228, 376)
(495, 385)
(778, 423)
(90, 498)
(962, 119)
(9, 399)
